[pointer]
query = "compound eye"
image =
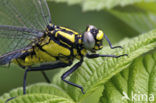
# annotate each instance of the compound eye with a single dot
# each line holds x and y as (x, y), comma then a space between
(99, 35)
(89, 28)
(88, 40)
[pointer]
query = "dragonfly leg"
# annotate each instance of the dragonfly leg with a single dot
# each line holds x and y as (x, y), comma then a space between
(45, 77)
(24, 80)
(99, 55)
(110, 44)
(70, 71)
(9, 99)
(40, 68)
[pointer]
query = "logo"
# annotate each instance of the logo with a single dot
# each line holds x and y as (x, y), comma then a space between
(137, 97)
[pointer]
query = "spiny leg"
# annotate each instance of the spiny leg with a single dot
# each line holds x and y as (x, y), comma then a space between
(24, 85)
(110, 44)
(24, 80)
(67, 73)
(25, 75)
(100, 55)
(45, 76)
(9, 99)
(41, 68)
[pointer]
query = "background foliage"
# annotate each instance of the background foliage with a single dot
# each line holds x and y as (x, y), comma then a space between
(104, 79)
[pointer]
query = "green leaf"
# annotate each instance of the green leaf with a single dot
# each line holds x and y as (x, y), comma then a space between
(139, 18)
(38, 90)
(91, 75)
(108, 4)
(94, 73)
(101, 4)
(147, 6)
(137, 82)
(138, 14)
(40, 98)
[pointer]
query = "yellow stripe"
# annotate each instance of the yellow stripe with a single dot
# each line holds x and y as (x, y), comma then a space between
(69, 30)
(65, 43)
(100, 35)
(66, 35)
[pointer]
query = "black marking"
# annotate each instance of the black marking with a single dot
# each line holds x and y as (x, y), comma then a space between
(40, 47)
(24, 55)
(6, 58)
(61, 44)
(94, 32)
(78, 46)
(66, 31)
(50, 28)
(28, 53)
(60, 37)
(23, 67)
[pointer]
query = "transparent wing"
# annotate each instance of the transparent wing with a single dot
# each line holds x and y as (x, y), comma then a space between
(27, 18)
(13, 38)
(6, 58)
(26, 13)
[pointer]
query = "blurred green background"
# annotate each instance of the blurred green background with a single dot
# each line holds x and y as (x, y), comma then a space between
(74, 18)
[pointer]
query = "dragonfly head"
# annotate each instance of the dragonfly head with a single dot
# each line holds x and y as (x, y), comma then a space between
(93, 38)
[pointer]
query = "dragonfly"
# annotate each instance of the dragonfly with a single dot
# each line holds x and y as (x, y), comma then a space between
(34, 43)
